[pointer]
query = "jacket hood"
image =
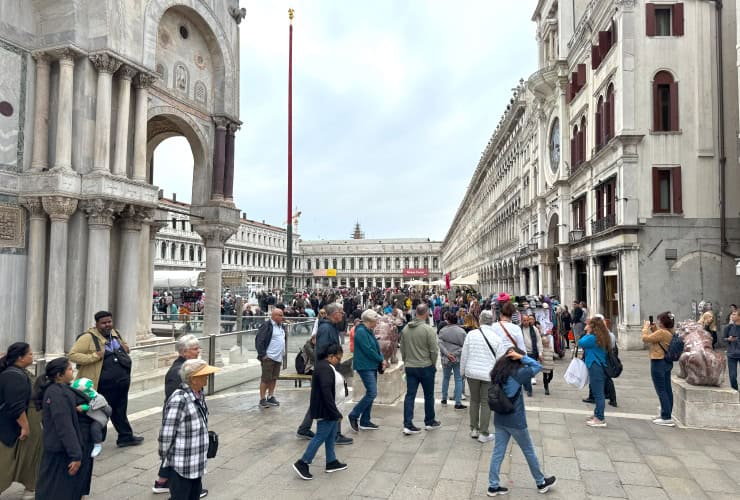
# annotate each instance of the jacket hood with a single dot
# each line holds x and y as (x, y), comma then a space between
(416, 322)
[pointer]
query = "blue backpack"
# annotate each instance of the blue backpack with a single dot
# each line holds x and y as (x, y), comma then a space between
(675, 349)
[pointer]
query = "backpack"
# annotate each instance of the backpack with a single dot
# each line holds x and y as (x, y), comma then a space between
(675, 349)
(499, 402)
(300, 363)
(613, 366)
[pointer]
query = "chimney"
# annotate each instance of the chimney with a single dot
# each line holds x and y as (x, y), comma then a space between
(244, 215)
(174, 196)
(160, 195)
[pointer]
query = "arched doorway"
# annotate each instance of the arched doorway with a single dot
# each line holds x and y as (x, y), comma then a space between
(553, 252)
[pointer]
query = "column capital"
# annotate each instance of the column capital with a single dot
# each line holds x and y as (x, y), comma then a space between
(132, 217)
(144, 80)
(34, 206)
(214, 236)
(105, 63)
(65, 55)
(126, 72)
(59, 208)
(221, 121)
(101, 212)
(41, 57)
(626, 5)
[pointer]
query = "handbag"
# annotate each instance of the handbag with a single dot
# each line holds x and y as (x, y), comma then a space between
(212, 444)
(577, 373)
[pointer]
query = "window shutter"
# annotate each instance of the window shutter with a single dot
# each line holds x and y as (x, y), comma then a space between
(595, 56)
(583, 141)
(656, 107)
(605, 42)
(677, 19)
(674, 106)
(656, 190)
(599, 202)
(574, 82)
(650, 29)
(676, 190)
(581, 75)
(572, 153)
(598, 137)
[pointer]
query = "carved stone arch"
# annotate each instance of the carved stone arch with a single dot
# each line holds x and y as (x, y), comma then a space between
(205, 20)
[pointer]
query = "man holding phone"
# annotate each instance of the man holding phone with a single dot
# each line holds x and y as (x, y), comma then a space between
(732, 332)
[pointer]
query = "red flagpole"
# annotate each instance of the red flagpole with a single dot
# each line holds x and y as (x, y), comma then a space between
(288, 290)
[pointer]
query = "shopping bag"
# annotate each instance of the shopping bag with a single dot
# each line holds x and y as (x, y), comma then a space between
(571, 337)
(577, 373)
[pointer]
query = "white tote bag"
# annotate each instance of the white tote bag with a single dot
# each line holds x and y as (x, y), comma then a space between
(577, 373)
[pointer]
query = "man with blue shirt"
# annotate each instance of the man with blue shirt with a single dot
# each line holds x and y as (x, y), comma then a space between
(270, 346)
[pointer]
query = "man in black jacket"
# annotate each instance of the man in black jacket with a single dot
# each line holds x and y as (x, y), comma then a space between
(324, 409)
(270, 346)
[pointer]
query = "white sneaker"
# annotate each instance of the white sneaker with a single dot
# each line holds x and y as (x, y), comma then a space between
(666, 423)
(485, 438)
(462, 397)
(534, 381)
(96, 450)
(474, 434)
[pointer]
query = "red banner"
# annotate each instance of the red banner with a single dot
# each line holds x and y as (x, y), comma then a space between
(421, 272)
(447, 281)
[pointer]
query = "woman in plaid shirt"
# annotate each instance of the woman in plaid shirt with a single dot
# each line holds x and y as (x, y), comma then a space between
(183, 438)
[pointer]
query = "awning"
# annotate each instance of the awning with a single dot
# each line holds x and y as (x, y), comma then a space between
(467, 280)
(176, 279)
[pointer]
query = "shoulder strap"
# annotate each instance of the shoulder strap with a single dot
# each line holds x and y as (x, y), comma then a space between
(507, 334)
(95, 339)
(487, 343)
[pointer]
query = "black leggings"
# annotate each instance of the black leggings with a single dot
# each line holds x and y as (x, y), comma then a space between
(547, 378)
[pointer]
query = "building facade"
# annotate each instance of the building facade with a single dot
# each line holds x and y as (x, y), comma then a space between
(90, 89)
(630, 126)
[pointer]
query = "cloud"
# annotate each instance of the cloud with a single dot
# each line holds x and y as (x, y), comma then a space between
(393, 104)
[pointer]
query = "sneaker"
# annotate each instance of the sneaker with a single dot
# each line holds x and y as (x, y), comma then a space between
(596, 423)
(343, 440)
(545, 487)
(667, 423)
(534, 381)
(444, 402)
(203, 493)
(589, 400)
(411, 429)
(335, 466)
(272, 401)
(307, 435)
(434, 425)
(529, 393)
(474, 434)
(369, 426)
(460, 407)
(96, 450)
(492, 492)
(463, 397)
(613, 403)
(301, 468)
(547, 392)
(160, 487)
(264, 403)
(353, 423)
(485, 438)
(132, 441)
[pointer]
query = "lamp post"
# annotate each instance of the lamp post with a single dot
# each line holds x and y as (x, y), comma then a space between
(288, 292)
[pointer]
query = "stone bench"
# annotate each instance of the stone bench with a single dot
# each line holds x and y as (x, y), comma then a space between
(705, 407)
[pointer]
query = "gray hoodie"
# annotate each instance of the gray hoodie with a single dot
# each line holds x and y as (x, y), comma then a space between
(419, 345)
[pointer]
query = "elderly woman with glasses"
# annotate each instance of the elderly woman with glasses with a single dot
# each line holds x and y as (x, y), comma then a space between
(183, 438)
(367, 360)
(188, 347)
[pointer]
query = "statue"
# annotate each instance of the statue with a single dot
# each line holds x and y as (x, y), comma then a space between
(699, 364)
(181, 78)
(386, 332)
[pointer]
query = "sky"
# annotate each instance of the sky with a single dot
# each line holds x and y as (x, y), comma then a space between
(393, 103)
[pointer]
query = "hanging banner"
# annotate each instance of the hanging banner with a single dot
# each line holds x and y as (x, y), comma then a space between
(420, 272)
(447, 281)
(322, 273)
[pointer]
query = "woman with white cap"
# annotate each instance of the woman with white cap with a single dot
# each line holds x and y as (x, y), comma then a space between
(183, 438)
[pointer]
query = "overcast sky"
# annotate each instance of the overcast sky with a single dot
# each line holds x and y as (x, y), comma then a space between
(393, 103)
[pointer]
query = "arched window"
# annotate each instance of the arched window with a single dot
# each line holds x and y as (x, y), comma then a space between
(173, 251)
(344, 264)
(574, 161)
(598, 124)
(191, 253)
(583, 136)
(200, 254)
(609, 113)
(665, 103)
(163, 249)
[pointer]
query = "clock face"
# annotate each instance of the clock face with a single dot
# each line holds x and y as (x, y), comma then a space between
(555, 146)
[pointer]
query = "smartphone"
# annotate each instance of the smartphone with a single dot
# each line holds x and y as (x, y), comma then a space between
(650, 318)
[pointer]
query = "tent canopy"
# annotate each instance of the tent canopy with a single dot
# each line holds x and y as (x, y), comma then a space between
(176, 279)
(417, 283)
(438, 283)
(466, 280)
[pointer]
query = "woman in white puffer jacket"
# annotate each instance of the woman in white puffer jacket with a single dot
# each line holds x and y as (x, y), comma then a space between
(480, 351)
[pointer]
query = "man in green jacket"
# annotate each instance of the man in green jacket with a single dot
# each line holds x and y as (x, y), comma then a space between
(419, 351)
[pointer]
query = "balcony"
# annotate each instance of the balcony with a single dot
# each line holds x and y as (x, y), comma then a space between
(603, 224)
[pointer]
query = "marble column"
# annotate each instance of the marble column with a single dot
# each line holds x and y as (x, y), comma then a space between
(40, 158)
(229, 159)
(106, 66)
(59, 208)
(125, 75)
(128, 272)
(147, 248)
(36, 267)
(219, 158)
(63, 145)
(142, 83)
(100, 220)
(214, 238)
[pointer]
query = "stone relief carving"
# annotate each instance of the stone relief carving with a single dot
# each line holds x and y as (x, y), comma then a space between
(238, 14)
(144, 80)
(200, 92)
(199, 61)
(12, 226)
(34, 207)
(105, 63)
(162, 72)
(100, 212)
(181, 77)
(59, 207)
(132, 217)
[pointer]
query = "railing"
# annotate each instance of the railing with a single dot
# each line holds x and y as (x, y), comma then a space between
(603, 224)
(232, 351)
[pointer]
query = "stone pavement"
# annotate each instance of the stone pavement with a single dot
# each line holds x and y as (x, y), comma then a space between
(632, 458)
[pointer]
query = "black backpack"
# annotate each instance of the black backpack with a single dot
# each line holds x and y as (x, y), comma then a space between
(613, 366)
(300, 363)
(675, 348)
(499, 402)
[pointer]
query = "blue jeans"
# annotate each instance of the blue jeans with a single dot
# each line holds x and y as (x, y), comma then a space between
(414, 377)
(447, 370)
(363, 408)
(596, 380)
(660, 371)
(732, 371)
(326, 434)
(521, 436)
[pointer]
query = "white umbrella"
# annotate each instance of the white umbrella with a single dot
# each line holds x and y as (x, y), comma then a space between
(467, 280)
(417, 283)
(438, 283)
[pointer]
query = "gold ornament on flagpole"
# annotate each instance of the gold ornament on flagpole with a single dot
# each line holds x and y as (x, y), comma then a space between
(290, 14)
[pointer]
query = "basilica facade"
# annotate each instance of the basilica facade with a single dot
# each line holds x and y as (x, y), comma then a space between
(609, 178)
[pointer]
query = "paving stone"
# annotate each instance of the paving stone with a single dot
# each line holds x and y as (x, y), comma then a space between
(666, 466)
(393, 462)
(644, 492)
(594, 460)
(635, 474)
(681, 488)
(714, 480)
(459, 469)
(550, 417)
(603, 483)
(409, 492)
(561, 467)
(623, 453)
(558, 447)
(696, 459)
(447, 488)
(380, 484)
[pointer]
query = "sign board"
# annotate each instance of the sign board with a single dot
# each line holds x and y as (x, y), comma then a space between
(322, 273)
(421, 272)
